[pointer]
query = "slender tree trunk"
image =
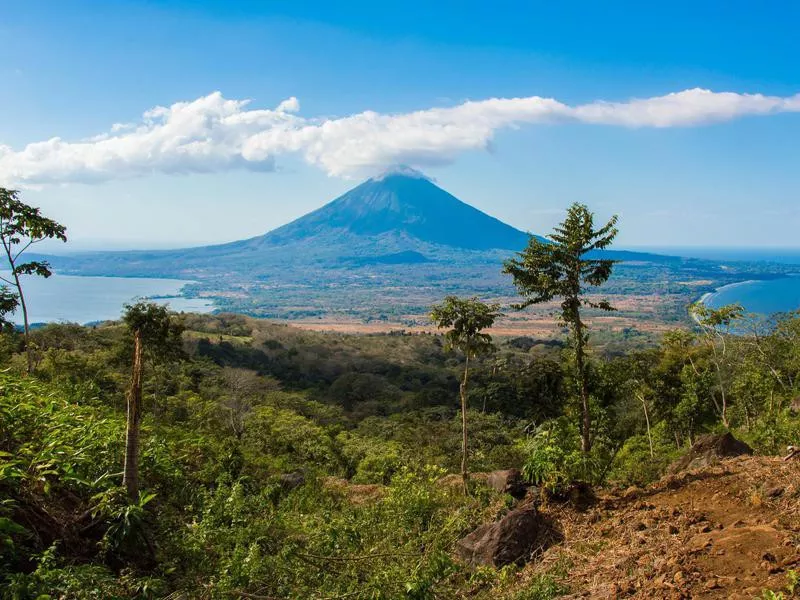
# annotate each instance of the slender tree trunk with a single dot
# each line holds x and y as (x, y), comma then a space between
(130, 478)
(724, 409)
(586, 441)
(23, 304)
(720, 380)
(647, 422)
(463, 390)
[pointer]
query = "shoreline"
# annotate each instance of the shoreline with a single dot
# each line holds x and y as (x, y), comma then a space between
(708, 295)
(87, 299)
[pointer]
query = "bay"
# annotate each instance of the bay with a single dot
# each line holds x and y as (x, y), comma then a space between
(765, 297)
(74, 299)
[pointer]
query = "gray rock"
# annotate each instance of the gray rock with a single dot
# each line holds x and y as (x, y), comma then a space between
(508, 481)
(708, 450)
(512, 539)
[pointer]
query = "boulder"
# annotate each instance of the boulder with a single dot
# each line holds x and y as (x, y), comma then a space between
(512, 539)
(708, 450)
(508, 481)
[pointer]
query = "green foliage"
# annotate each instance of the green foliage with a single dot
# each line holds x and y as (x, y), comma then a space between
(373, 516)
(771, 434)
(791, 590)
(555, 458)
(126, 534)
(567, 267)
(160, 329)
(635, 465)
(9, 302)
(465, 319)
(22, 226)
(559, 268)
(368, 460)
(541, 587)
(281, 440)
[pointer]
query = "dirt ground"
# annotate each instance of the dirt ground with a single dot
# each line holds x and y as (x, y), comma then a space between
(727, 531)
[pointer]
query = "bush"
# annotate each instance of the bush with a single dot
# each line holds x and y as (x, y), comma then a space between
(771, 435)
(555, 459)
(634, 465)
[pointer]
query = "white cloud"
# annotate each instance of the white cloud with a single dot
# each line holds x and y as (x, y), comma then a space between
(291, 105)
(213, 133)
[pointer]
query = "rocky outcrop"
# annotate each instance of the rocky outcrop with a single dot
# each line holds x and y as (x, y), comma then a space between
(708, 450)
(511, 539)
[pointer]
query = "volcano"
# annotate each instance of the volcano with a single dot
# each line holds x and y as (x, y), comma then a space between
(399, 217)
(407, 205)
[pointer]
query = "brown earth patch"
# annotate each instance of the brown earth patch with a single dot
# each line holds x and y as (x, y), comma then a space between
(727, 531)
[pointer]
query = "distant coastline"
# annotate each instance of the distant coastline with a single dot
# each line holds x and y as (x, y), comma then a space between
(709, 295)
(762, 296)
(728, 286)
(90, 299)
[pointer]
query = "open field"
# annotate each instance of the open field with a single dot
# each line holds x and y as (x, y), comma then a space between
(638, 312)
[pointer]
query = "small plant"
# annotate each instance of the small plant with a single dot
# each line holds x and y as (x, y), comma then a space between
(555, 458)
(127, 533)
(791, 590)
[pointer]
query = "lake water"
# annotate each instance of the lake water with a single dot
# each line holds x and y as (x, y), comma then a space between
(762, 297)
(66, 298)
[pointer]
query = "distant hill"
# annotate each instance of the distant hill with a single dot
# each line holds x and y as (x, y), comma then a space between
(400, 217)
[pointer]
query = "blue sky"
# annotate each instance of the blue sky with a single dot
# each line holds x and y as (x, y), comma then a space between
(694, 169)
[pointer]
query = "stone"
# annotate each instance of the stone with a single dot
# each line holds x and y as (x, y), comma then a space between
(508, 481)
(511, 539)
(773, 491)
(708, 450)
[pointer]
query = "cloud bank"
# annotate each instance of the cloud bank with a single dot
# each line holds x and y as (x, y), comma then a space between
(213, 133)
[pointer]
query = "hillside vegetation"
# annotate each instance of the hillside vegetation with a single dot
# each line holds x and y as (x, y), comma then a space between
(280, 463)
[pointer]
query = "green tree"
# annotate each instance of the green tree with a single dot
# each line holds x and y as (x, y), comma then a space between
(716, 325)
(9, 302)
(466, 318)
(22, 226)
(566, 267)
(157, 335)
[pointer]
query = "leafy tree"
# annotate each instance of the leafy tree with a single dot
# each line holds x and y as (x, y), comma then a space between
(9, 302)
(716, 326)
(157, 335)
(21, 226)
(564, 268)
(466, 318)
(638, 368)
